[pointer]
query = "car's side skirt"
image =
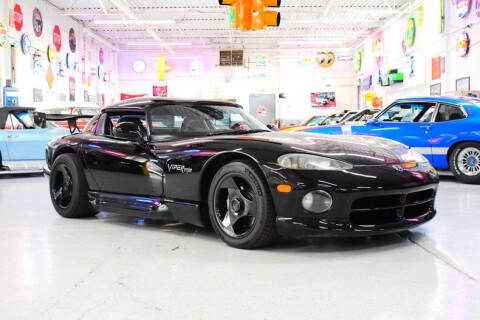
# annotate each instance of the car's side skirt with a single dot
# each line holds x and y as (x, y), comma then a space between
(147, 207)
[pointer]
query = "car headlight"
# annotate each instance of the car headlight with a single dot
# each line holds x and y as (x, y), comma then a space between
(300, 161)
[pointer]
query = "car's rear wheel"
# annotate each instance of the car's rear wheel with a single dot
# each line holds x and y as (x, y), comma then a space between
(69, 189)
(465, 162)
(241, 207)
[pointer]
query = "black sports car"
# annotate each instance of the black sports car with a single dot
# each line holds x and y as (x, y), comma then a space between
(208, 162)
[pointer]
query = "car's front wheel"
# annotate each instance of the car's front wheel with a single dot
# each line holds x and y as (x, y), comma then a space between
(241, 207)
(465, 162)
(69, 189)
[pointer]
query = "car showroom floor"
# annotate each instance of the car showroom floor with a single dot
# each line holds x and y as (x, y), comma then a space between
(113, 267)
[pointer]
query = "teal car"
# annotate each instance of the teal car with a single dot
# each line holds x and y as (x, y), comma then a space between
(23, 142)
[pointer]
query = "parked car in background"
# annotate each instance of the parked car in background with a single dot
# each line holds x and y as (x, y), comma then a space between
(310, 122)
(446, 130)
(362, 116)
(88, 110)
(22, 141)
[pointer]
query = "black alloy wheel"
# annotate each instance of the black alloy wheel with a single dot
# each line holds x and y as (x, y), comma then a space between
(69, 188)
(240, 206)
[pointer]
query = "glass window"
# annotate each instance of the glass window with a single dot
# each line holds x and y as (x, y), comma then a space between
(112, 119)
(91, 125)
(315, 121)
(427, 115)
(169, 122)
(448, 112)
(405, 112)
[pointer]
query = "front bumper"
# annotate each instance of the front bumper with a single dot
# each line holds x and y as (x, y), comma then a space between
(366, 201)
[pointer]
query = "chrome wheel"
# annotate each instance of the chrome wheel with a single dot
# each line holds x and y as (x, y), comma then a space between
(235, 206)
(468, 161)
(62, 189)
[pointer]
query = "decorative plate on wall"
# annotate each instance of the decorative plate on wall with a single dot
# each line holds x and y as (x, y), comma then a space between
(25, 43)
(462, 7)
(139, 66)
(51, 53)
(37, 22)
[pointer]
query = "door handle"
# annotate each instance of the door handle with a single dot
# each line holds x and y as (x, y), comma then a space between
(426, 128)
(12, 136)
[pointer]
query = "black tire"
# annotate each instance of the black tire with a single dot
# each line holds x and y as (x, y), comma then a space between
(70, 199)
(458, 169)
(259, 223)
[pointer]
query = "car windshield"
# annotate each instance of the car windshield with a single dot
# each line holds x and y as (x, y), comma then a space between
(404, 112)
(170, 121)
(27, 119)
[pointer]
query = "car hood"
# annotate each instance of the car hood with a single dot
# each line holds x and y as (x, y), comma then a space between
(357, 150)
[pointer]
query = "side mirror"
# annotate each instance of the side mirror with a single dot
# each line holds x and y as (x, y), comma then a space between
(128, 131)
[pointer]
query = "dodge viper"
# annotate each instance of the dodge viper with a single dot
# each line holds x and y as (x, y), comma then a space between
(209, 163)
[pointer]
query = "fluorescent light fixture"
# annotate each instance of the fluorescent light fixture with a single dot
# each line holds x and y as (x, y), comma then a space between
(316, 42)
(140, 44)
(133, 22)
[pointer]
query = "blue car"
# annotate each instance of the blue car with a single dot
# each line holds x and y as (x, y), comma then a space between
(23, 142)
(446, 130)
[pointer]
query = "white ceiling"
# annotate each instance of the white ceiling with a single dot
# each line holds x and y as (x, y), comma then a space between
(330, 23)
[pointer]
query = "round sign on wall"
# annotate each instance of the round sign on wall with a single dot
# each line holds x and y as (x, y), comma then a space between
(100, 56)
(37, 22)
(57, 38)
(70, 61)
(462, 7)
(17, 17)
(25, 43)
(72, 40)
(51, 53)
(139, 66)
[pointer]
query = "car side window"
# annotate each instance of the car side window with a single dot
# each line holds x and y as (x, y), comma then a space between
(448, 112)
(428, 115)
(13, 123)
(405, 112)
(91, 125)
(110, 122)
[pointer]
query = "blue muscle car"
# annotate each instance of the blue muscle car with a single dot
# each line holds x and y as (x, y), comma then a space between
(446, 130)
(22, 141)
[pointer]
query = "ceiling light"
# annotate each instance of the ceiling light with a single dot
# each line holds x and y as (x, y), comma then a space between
(133, 22)
(159, 44)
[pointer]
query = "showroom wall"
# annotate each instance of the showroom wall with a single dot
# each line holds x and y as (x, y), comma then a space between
(263, 72)
(89, 88)
(384, 51)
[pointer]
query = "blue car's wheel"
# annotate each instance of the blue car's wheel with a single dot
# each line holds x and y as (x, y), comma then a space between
(465, 162)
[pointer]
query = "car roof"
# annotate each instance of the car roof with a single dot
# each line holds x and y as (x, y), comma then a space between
(446, 99)
(140, 103)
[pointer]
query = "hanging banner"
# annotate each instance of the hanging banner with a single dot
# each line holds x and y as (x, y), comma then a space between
(477, 8)
(160, 91)
(410, 33)
(57, 38)
(37, 22)
(72, 40)
(71, 88)
(125, 96)
(161, 68)
(101, 58)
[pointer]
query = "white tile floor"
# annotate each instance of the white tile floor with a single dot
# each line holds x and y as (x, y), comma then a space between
(113, 267)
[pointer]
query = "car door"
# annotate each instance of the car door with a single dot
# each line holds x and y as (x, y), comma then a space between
(119, 165)
(450, 123)
(4, 155)
(407, 122)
